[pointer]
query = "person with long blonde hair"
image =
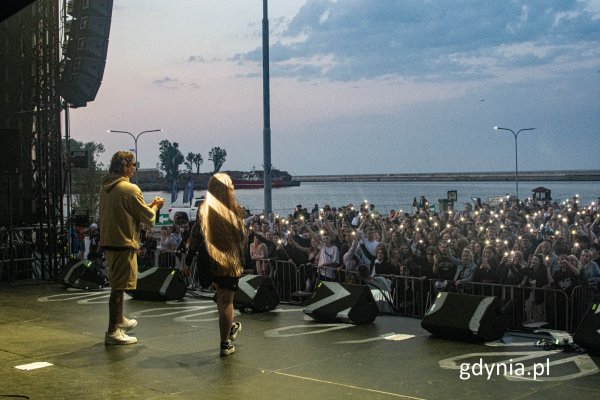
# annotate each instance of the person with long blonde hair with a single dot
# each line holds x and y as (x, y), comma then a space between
(222, 225)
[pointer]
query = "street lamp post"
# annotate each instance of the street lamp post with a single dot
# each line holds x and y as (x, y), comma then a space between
(516, 135)
(135, 140)
(266, 112)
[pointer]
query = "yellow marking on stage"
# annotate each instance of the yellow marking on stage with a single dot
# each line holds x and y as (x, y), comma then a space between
(349, 386)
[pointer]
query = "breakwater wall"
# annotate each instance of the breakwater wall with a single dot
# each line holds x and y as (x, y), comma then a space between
(575, 175)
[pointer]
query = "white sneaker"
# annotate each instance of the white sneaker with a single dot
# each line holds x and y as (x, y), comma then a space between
(127, 324)
(227, 348)
(118, 337)
(236, 328)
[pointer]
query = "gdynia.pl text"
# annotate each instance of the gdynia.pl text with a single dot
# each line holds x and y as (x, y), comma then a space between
(480, 368)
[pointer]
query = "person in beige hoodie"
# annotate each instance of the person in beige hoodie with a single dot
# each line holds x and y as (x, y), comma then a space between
(122, 210)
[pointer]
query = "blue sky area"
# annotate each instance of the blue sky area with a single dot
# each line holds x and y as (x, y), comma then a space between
(357, 86)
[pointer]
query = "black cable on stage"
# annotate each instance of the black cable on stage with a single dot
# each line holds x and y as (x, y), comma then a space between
(550, 344)
(196, 295)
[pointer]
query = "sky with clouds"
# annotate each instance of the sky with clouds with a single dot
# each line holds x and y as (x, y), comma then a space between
(357, 86)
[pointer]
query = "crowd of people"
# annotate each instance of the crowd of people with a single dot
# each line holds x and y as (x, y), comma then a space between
(510, 243)
(524, 244)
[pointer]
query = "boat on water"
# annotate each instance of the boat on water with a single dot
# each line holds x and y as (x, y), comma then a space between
(540, 195)
(251, 180)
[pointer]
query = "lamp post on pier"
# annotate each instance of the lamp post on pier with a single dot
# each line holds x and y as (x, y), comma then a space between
(516, 135)
(135, 140)
(266, 112)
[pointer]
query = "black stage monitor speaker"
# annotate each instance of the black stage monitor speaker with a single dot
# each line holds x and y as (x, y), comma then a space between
(82, 274)
(159, 284)
(587, 334)
(465, 317)
(340, 302)
(256, 293)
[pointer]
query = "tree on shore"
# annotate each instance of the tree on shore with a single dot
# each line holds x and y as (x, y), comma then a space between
(193, 160)
(170, 159)
(218, 156)
(86, 181)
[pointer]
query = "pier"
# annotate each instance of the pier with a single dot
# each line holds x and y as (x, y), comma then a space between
(525, 176)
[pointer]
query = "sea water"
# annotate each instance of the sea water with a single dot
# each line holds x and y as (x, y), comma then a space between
(393, 195)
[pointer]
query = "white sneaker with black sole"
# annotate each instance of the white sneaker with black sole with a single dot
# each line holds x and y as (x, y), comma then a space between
(236, 328)
(227, 348)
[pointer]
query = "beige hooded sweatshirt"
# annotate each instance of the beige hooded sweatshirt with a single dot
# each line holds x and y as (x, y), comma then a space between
(122, 210)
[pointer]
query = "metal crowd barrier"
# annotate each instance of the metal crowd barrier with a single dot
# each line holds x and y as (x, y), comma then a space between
(527, 305)
(412, 296)
(531, 307)
(581, 299)
(167, 259)
(285, 276)
(295, 282)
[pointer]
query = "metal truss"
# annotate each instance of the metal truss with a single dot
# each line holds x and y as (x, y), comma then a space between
(31, 62)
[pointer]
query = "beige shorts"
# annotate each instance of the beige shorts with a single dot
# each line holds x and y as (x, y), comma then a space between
(122, 269)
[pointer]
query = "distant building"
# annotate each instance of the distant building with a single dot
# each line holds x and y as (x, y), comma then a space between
(149, 175)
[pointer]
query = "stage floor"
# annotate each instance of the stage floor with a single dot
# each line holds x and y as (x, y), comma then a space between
(281, 354)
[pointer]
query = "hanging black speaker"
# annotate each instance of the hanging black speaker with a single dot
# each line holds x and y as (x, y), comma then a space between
(77, 8)
(465, 317)
(256, 293)
(340, 302)
(82, 66)
(92, 67)
(87, 46)
(91, 25)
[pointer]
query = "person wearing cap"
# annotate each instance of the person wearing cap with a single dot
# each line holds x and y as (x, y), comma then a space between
(94, 236)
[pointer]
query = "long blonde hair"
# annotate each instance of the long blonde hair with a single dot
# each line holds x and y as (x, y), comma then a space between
(223, 226)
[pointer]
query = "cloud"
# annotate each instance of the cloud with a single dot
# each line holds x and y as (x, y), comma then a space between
(451, 39)
(166, 82)
(193, 58)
